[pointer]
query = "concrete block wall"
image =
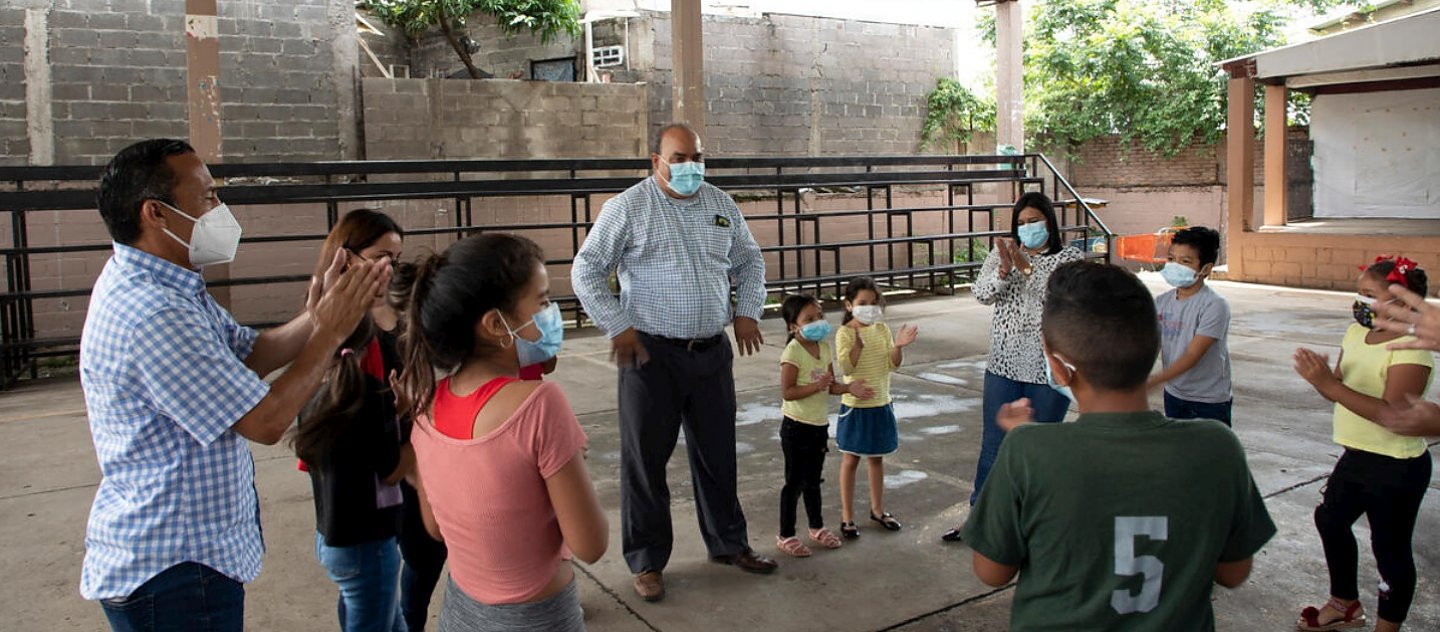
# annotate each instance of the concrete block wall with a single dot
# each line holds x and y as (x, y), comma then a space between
(779, 85)
(453, 118)
(117, 74)
(14, 141)
(795, 85)
(278, 81)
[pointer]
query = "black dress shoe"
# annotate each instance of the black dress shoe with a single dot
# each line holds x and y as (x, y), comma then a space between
(748, 561)
(952, 535)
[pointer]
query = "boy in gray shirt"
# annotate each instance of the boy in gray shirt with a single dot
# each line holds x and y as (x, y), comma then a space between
(1194, 324)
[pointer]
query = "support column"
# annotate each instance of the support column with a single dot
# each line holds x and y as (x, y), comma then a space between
(689, 85)
(39, 115)
(345, 72)
(202, 89)
(1276, 185)
(1009, 75)
(1240, 167)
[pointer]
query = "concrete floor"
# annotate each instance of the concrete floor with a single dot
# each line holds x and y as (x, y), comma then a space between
(884, 581)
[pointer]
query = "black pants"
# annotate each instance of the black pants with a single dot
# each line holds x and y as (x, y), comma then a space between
(424, 558)
(804, 446)
(693, 389)
(1388, 491)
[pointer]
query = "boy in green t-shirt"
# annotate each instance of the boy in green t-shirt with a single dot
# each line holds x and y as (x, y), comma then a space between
(1124, 519)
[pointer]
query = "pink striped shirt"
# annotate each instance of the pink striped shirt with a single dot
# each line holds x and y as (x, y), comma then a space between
(489, 497)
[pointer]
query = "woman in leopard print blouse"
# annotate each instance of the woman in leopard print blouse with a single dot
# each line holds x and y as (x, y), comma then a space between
(1013, 280)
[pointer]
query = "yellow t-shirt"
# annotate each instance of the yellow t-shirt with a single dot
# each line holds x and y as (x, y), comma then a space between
(815, 409)
(874, 366)
(1364, 368)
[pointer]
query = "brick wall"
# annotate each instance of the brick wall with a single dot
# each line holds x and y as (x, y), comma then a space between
(453, 118)
(1323, 261)
(1145, 191)
(118, 74)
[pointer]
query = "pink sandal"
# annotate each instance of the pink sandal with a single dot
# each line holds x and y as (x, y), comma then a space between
(1351, 616)
(825, 537)
(791, 546)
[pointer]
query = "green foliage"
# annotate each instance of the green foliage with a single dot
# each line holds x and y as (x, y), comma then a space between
(954, 114)
(548, 18)
(1143, 69)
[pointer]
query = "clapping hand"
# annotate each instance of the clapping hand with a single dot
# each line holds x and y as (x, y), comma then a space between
(1315, 368)
(860, 389)
(1014, 414)
(822, 380)
(1008, 256)
(906, 335)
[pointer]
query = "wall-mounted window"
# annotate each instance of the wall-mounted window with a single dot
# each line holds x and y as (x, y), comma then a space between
(608, 56)
(562, 69)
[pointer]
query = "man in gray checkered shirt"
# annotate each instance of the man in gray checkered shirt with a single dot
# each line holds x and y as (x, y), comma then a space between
(677, 244)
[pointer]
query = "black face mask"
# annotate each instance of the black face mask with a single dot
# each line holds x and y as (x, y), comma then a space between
(1364, 314)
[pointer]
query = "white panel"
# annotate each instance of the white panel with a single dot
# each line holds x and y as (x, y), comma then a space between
(1377, 154)
(1407, 40)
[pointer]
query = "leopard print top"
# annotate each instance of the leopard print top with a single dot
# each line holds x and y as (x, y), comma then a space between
(1019, 300)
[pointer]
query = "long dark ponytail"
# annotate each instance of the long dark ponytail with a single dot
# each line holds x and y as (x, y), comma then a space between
(338, 402)
(447, 295)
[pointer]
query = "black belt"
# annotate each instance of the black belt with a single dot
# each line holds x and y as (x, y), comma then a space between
(690, 344)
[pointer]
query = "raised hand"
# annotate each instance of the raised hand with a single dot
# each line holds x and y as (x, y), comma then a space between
(906, 335)
(1411, 315)
(1006, 249)
(342, 304)
(318, 284)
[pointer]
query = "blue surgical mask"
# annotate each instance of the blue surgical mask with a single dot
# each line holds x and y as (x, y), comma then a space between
(1050, 378)
(1178, 275)
(552, 333)
(816, 331)
(1033, 235)
(685, 177)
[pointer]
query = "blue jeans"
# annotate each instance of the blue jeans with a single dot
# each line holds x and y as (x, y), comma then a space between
(1049, 406)
(1176, 408)
(187, 596)
(369, 578)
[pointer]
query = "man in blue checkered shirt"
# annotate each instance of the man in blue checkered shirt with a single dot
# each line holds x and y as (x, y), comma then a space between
(173, 390)
(677, 244)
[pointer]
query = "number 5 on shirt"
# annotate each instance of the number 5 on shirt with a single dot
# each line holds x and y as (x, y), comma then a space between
(1127, 528)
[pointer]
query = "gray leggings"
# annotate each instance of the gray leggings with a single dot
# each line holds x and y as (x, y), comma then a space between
(557, 613)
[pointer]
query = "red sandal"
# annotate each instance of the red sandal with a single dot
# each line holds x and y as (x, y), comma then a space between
(1351, 616)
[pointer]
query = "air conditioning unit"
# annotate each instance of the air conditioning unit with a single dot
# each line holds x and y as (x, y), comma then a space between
(608, 56)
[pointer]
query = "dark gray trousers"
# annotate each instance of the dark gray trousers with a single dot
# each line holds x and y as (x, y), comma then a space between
(678, 388)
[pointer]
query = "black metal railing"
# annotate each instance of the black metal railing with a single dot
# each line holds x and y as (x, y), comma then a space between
(962, 220)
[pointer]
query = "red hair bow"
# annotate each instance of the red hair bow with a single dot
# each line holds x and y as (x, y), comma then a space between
(1399, 273)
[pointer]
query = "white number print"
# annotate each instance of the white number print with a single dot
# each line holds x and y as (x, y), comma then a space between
(1127, 528)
